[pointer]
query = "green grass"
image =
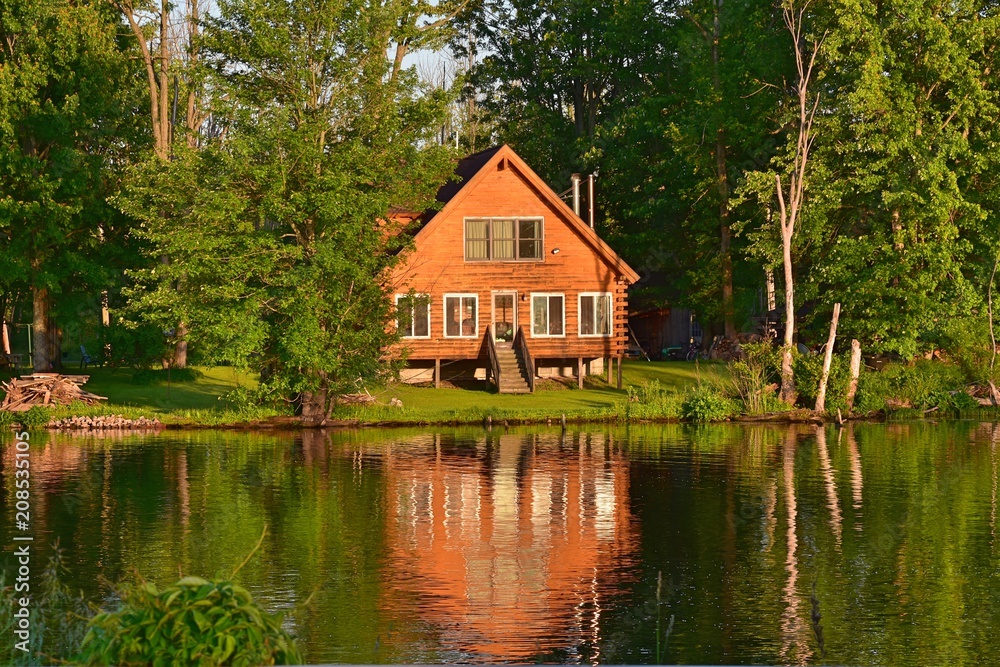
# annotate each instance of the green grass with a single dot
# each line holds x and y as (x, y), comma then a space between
(550, 400)
(197, 401)
(191, 401)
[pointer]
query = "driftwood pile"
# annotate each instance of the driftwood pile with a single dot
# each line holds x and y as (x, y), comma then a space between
(105, 422)
(46, 389)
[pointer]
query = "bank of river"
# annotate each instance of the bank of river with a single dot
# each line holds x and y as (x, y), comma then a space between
(470, 544)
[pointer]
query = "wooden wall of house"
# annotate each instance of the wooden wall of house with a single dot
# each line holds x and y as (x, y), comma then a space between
(437, 266)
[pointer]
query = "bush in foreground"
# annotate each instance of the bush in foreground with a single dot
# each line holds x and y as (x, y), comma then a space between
(193, 621)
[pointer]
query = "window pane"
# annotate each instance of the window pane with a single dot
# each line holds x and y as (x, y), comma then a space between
(587, 315)
(477, 234)
(555, 315)
(502, 232)
(529, 239)
(451, 311)
(469, 316)
(604, 311)
(539, 316)
(421, 316)
(404, 318)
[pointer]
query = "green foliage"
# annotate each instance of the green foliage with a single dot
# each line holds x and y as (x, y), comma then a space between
(6, 419)
(256, 404)
(193, 621)
(922, 385)
(58, 616)
(134, 345)
(650, 401)
(707, 403)
(34, 417)
(809, 371)
(278, 253)
(68, 95)
(751, 375)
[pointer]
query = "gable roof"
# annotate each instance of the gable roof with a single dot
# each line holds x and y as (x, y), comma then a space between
(474, 168)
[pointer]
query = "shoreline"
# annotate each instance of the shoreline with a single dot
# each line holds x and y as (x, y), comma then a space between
(801, 416)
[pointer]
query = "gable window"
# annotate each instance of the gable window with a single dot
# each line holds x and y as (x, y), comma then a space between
(548, 315)
(413, 315)
(461, 315)
(503, 239)
(595, 314)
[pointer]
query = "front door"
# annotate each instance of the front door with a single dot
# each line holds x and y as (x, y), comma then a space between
(504, 316)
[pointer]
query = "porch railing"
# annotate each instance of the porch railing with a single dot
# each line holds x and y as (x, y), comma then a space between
(491, 351)
(521, 349)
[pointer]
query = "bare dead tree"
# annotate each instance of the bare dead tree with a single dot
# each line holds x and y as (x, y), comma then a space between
(790, 204)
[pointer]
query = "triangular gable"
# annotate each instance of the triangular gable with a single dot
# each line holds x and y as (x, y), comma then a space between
(486, 162)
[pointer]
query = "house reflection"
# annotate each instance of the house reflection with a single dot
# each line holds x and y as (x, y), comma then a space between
(509, 550)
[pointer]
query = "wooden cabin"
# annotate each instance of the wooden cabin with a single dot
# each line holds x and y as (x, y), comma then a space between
(506, 282)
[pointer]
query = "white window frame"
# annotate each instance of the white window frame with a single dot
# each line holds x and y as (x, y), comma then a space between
(415, 296)
(579, 314)
(444, 313)
(531, 312)
(489, 241)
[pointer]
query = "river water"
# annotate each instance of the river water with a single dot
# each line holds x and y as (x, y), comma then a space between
(671, 544)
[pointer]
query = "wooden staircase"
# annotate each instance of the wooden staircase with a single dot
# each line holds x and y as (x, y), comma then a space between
(513, 377)
(508, 369)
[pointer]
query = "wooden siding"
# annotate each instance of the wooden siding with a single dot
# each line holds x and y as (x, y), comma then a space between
(437, 266)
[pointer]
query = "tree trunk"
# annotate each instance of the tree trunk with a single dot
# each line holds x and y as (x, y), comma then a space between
(40, 360)
(313, 406)
(722, 177)
(788, 391)
(827, 359)
(181, 348)
(852, 388)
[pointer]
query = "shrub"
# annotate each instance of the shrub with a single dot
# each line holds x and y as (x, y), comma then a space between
(6, 418)
(809, 371)
(921, 385)
(35, 417)
(707, 404)
(751, 376)
(58, 617)
(650, 401)
(193, 621)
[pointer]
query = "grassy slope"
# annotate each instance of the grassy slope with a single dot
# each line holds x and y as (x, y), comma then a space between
(198, 400)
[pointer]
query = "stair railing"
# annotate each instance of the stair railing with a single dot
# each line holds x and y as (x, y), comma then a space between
(521, 348)
(491, 350)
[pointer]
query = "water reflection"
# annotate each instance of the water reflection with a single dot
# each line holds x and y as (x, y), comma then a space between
(510, 545)
(470, 545)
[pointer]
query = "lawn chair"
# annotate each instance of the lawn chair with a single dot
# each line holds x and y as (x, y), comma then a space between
(85, 359)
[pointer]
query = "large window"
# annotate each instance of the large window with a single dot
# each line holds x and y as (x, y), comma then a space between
(548, 315)
(413, 315)
(595, 314)
(503, 239)
(461, 315)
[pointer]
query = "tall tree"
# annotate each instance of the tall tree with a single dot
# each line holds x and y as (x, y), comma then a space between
(806, 49)
(274, 234)
(65, 133)
(911, 115)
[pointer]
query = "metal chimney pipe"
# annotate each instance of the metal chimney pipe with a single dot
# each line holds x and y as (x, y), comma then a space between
(576, 193)
(590, 199)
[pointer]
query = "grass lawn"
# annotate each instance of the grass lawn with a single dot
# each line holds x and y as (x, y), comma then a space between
(197, 400)
(192, 400)
(550, 399)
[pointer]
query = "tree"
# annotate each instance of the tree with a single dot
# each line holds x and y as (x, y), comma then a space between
(65, 132)
(277, 248)
(911, 117)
